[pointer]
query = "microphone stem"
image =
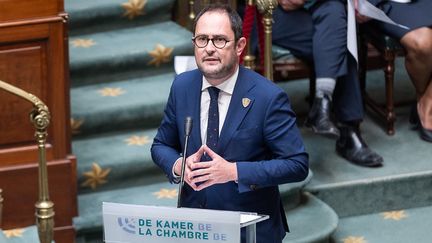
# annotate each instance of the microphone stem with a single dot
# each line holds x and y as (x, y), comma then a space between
(182, 172)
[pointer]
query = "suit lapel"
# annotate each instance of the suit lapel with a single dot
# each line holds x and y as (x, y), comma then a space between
(195, 101)
(241, 103)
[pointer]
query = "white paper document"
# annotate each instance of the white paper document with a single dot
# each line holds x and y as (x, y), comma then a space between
(251, 218)
(184, 63)
(401, 1)
(369, 10)
(352, 30)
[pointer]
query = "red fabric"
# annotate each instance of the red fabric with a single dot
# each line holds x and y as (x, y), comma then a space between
(261, 38)
(248, 21)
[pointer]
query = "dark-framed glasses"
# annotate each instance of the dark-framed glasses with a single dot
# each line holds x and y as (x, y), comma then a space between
(202, 41)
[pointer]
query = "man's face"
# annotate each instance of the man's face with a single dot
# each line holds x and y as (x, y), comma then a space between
(217, 64)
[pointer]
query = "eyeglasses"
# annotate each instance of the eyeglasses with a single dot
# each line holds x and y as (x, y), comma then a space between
(202, 41)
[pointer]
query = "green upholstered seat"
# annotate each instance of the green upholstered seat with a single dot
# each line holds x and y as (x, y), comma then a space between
(281, 54)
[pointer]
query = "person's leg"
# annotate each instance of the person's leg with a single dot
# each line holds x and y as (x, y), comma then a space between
(349, 111)
(330, 38)
(348, 99)
(298, 38)
(424, 107)
(417, 41)
(289, 34)
(418, 63)
(329, 56)
(333, 60)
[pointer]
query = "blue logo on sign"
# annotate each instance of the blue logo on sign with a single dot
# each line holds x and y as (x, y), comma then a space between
(127, 224)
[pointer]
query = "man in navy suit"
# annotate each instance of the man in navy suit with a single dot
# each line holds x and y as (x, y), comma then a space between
(316, 30)
(257, 145)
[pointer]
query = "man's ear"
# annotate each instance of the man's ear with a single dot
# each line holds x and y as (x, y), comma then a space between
(241, 44)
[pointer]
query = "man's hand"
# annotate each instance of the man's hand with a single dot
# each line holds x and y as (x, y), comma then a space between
(360, 18)
(289, 5)
(208, 173)
(196, 157)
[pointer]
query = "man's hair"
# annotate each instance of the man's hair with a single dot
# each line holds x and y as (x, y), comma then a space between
(235, 20)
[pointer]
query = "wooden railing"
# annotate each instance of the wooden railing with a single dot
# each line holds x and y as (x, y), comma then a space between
(40, 117)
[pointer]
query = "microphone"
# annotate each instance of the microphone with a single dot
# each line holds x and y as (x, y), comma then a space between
(188, 128)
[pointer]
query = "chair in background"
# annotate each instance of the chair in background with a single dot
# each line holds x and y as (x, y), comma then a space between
(376, 51)
(379, 51)
(276, 63)
(287, 67)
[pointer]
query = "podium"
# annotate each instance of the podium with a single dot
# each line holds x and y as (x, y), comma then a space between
(138, 223)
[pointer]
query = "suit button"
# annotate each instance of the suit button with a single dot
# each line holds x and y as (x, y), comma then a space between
(253, 187)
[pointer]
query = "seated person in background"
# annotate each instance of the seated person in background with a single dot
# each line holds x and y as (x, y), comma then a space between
(244, 141)
(417, 42)
(317, 32)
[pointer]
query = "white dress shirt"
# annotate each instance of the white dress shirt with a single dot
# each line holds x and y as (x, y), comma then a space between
(225, 94)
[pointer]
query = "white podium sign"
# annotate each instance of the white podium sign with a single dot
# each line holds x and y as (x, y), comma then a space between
(138, 223)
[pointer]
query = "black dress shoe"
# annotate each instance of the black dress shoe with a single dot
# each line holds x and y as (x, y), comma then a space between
(414, 119)
(352, 147)
(425, 134)
(319, 117)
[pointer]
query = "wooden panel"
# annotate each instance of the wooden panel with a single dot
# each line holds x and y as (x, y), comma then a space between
(16, 9)
(24, 33)
(23, 155)
(20, 195)
(23, 65)
(28, 65)
(59, 90)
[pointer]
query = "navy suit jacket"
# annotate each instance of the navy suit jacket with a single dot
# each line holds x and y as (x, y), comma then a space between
(262, 138)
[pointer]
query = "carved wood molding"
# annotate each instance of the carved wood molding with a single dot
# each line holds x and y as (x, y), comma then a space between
(40, 117)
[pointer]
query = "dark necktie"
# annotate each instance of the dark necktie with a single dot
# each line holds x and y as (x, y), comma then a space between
(213, 119)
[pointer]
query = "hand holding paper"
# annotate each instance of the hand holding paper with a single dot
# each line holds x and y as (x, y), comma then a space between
(367, 9)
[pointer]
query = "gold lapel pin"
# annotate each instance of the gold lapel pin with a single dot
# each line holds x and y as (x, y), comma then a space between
(245, 102)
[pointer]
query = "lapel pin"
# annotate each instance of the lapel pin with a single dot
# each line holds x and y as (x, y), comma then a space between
(246, 102)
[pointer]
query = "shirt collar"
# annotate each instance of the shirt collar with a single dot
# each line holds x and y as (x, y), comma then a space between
(227, 86)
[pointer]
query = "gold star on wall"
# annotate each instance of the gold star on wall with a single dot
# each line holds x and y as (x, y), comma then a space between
(75, 125)
(394, 215)
(354, 239)
(85, 43)
(137, 140)
(134, 8)
(166, 193)
(160, 54)
(13, 233)
(113, 92)
(95, 177)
